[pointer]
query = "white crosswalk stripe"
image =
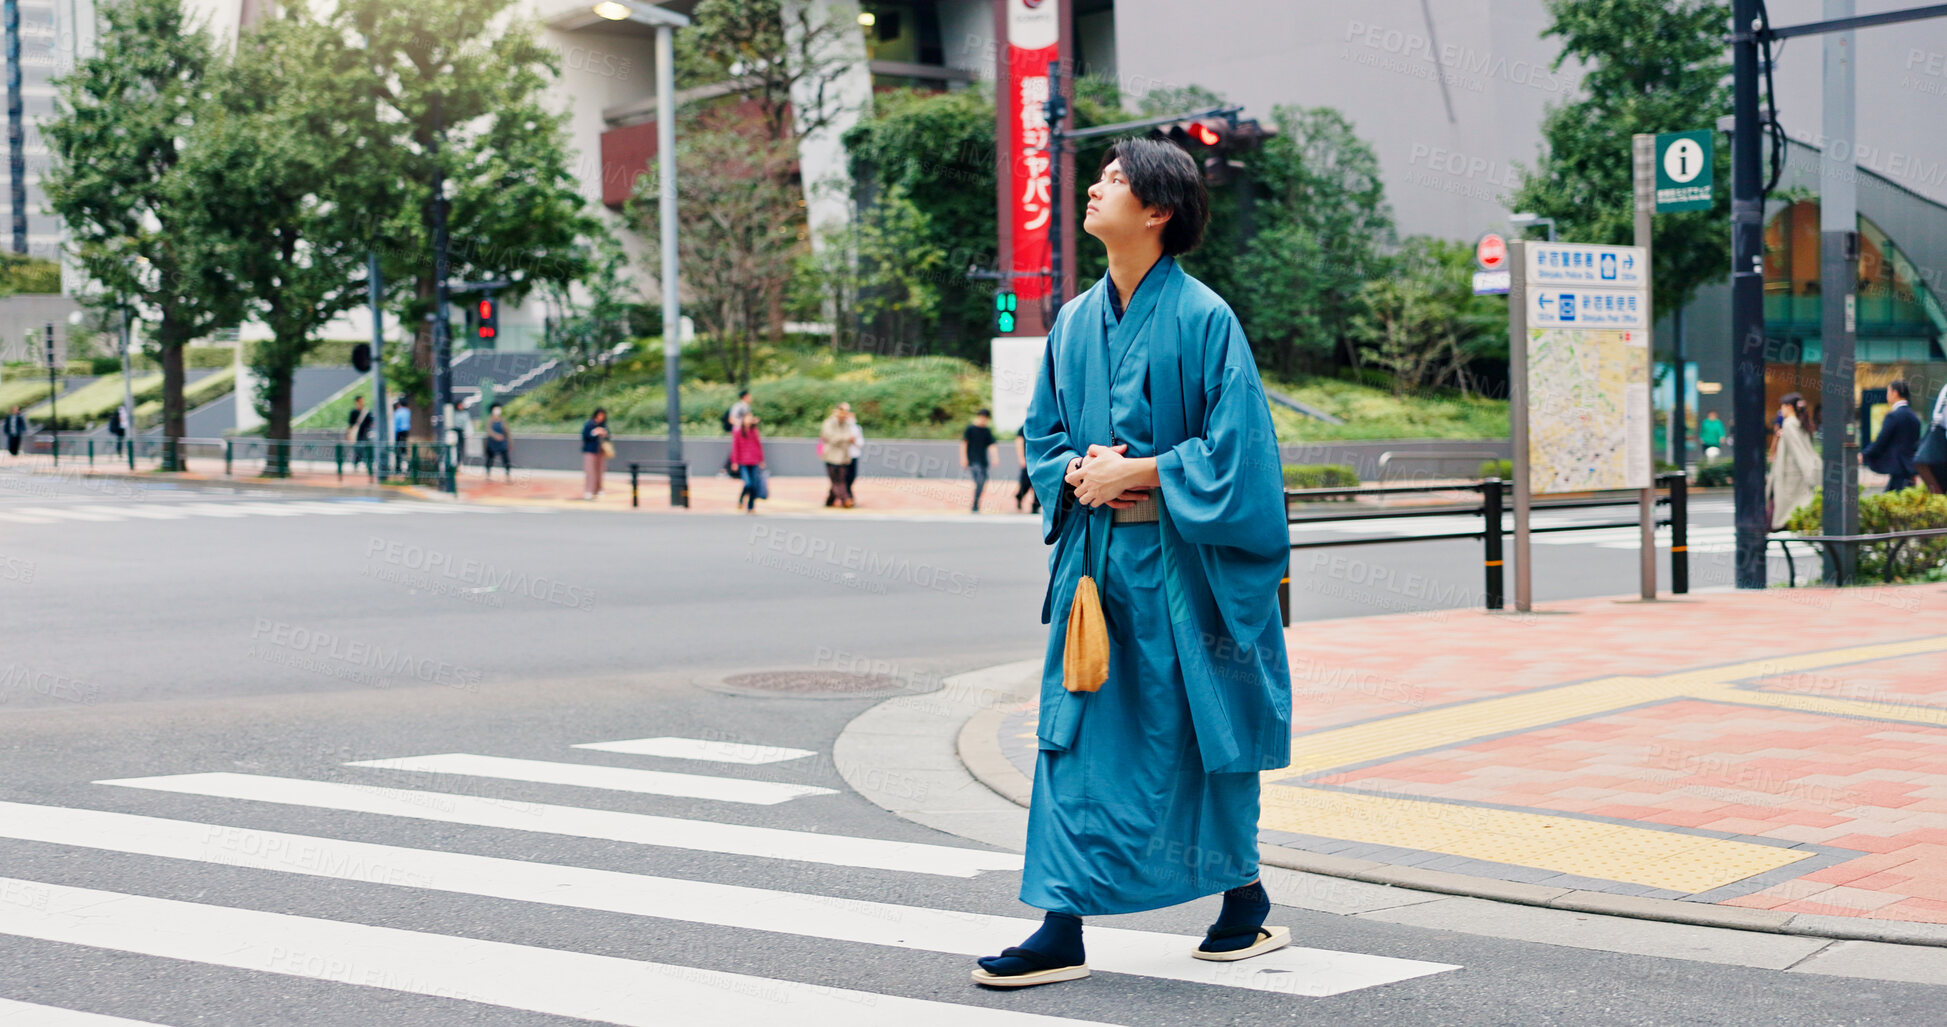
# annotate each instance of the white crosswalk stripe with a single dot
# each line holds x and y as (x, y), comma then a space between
(1295, 971)
(621, 779)
(640, 828)
(606, 989)
(27, 1014)
(584, 985)
(701, 749)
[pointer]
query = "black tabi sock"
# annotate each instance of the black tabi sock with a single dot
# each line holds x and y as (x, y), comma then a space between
(1244, 911)
(1059, 942)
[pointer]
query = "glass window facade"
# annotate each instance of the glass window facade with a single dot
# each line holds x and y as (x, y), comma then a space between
(1899, 320)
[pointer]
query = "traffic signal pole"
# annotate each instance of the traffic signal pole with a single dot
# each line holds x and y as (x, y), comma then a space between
(1747, 302)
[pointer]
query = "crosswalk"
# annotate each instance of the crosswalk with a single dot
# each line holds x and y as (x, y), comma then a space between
(591, 986)
(178, 510)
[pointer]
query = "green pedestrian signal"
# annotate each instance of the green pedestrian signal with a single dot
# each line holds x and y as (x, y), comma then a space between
(1004, 306)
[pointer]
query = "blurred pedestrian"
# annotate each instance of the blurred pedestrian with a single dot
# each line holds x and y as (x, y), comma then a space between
(1710, 435)
(358, 432)
(747, 459)
(498, 442)
(462, 424)
(118, 426)
(976, 452)
(1026, 488)
(1795, 466)
(858, 450)
(733, 419)
(595, 451)
(1931, 460)
(16, 426)
(401, 431)
(1891, 451)
(835, 442)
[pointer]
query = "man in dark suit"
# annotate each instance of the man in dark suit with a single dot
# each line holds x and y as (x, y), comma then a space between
(1892, 451)
(16, 426)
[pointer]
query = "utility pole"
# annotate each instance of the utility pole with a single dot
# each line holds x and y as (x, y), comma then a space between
(1747, 301)
(666, 212)
(1838, 282)
(442, 344)
(382, 423)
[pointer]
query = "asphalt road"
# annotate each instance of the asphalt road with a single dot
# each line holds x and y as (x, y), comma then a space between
(223, 657)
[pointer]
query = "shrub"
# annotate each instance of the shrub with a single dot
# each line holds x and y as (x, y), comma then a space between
(1714, 476)
(1906, 510)
(1320, 476)
(1502, 469)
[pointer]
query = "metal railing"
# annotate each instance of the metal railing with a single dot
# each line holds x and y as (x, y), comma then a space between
(1492, 508)
(415, 463)
(1847, 542)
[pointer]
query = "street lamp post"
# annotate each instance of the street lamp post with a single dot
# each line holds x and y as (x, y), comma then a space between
(665, 22)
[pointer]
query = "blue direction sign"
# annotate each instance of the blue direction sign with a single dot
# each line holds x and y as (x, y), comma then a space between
(1603, 267)
(1585, 308)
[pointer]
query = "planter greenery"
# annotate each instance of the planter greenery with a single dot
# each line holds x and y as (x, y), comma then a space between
(1906, 559)
(1320, 476)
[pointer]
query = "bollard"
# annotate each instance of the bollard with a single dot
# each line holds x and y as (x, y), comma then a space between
(91, 452)
(679, 485)
(229, 454)
(131, 449)
(635, 485)
(1492, 557)
(338, 453)
(1679, 533)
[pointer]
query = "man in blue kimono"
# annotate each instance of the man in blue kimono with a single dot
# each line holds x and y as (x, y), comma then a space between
(1151, 447)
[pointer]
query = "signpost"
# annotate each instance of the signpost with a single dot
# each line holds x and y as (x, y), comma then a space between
(1683, 170)
(1578, 317)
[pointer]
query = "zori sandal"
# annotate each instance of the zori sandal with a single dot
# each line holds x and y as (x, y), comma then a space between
(1270, 939)
(1030, 968)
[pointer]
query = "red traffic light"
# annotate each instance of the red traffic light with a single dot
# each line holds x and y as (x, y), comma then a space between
(1204, 134)
(489, 319)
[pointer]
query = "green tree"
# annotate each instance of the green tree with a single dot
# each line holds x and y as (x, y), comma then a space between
(118, 136)
(284, 188)
(936, 152)
(1650, 66)
(1423, 322)
(1321, 225)
(740, 234)
(460, 91)
(784, 58)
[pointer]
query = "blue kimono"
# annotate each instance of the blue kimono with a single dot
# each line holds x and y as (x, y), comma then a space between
(1146, 792)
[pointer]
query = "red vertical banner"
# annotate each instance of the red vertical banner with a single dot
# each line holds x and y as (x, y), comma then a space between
(1033, 42)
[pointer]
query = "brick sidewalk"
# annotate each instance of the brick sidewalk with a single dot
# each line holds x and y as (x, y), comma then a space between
(1782, 750)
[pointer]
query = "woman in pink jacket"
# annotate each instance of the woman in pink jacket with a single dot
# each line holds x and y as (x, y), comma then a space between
(747, 459)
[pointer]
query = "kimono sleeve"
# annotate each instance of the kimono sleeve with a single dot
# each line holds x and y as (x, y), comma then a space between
(1224, 485)
(1049, 447)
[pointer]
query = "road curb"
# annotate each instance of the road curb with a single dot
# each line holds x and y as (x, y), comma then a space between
(980, 752)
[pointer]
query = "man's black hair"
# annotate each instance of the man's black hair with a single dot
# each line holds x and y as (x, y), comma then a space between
(1900, 387)
(983, 412)
(743, 393)
(1163, 175)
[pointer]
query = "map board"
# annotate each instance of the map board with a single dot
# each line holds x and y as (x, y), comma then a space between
(1588, 410)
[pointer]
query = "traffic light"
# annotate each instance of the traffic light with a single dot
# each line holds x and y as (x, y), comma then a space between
(488, 317)
(1206, 132)
(1005, 304)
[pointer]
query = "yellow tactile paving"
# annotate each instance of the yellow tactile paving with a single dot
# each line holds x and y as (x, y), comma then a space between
(1588, 848)
(1613, 852)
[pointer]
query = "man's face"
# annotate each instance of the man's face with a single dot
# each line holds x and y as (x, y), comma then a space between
(1113, 210)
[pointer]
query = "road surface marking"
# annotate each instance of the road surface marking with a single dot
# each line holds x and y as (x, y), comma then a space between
(637, 828)
(701, 749)
(70, 513)
(605, 989)
(620, 779)
(26, 1014)
(1291, 971)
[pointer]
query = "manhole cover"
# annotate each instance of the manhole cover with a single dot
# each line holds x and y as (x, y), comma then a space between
(813, 684)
